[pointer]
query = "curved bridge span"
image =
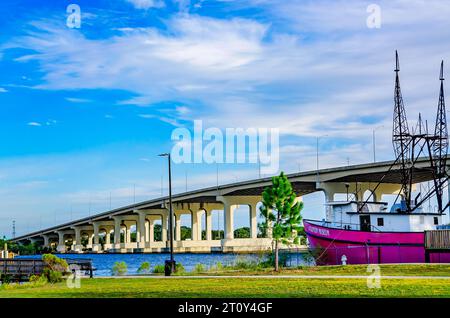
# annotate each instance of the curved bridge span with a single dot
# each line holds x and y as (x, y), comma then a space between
(114, 225)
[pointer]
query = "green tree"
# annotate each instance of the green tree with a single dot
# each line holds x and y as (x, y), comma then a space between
(217, 234)
(243, 232)
(281, 212)
(186, 232)
(158, 232)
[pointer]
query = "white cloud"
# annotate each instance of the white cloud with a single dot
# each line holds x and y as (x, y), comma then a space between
(33, 123)
(3, 90)
(182, 110)
(77, 100)
(316, 67)
(146, 4)
(147, 116)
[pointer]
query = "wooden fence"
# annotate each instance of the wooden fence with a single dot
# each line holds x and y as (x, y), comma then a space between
(20, 269)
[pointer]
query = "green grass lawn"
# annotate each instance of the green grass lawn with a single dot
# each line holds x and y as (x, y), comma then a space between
(237, 287)
(257, 287)
(385, 270)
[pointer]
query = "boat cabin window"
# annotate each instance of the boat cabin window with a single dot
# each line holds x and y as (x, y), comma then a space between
(380, 221)
(436, 220)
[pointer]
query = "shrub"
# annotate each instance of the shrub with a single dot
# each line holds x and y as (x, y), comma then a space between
(38, 280)
(5, 278)
(219, 266)
(55, 263)
(242, 263)
(158, 269)
(270, 260)
(119, 269)
(54, 268)
(179, 268)
(199, 268)
(144, 268)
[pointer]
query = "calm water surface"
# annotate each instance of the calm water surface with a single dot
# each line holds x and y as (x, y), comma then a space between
(104, 262)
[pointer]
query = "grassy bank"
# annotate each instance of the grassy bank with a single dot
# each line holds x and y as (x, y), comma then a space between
(385, 270)
(237, 287)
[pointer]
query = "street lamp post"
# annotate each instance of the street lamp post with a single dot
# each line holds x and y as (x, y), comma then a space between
(317, 154)
(373, 142)
(172, 261)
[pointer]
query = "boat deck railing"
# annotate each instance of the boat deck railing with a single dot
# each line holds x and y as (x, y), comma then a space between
(343, 225)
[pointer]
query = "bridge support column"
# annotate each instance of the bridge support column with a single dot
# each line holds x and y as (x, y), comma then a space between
(228, 213)
(253, 220)
(108, 245)
(96, 247)
(164, 227)
(90, 240)
(35, 240)
(77, 247)
(117, 222)
(208, 226)
(46, 240)
(228, 216)
(61, 248)
(196, 226)
(141, 229)
(108, 236)
(147, 230)
(152, 230)
(177, 226)
(128, 224)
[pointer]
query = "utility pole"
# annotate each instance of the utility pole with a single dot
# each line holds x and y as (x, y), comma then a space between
(172, 261)
(373, 144)
(317, 154)
(259, 168)
(217, 176)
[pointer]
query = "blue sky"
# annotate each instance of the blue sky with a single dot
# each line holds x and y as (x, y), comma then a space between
(84, 112)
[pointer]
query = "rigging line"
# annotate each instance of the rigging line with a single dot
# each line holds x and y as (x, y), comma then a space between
(430, 194)
(379, 183)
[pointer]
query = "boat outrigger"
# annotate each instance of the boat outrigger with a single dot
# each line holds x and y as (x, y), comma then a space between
(362, 231)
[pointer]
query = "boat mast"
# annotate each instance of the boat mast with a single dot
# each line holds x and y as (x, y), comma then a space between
(408, 147)
(440, 144)
(401, 138)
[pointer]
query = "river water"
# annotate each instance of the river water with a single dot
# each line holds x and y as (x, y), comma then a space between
(104, 262)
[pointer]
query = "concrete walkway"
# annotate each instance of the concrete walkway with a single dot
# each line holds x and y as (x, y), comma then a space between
(279, 276)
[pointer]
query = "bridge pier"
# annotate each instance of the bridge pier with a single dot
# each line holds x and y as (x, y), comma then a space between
(144, 220)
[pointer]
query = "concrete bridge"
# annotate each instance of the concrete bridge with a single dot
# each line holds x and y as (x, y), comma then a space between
(114, 227)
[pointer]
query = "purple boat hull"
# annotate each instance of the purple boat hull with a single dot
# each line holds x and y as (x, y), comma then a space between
(329, 245)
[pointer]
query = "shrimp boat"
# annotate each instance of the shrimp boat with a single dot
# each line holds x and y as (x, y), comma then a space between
(358, 231)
